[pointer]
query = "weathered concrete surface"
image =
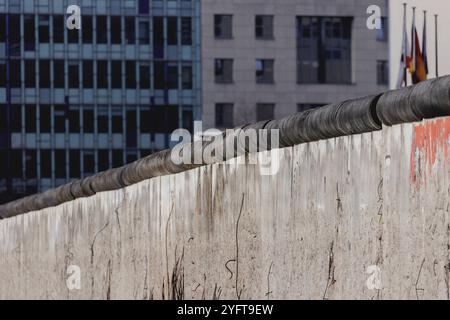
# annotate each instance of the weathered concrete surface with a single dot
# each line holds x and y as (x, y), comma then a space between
(335, 208)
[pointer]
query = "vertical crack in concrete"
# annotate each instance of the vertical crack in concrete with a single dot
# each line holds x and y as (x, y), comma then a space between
(238, 292)
(330, 280)
(268, 281)
(418, 279)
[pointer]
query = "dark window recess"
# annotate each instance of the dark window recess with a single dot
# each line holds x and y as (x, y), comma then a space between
(144, 32)
(117, 121)
(324, 50)
(44, 74)
(186, 75)
(2, 73)
(264, 71)
(186, 31)
(88, 121)
(116, 74)
(146, 121)
(73, 35)
(161, 119)
(146, 152)
(86, 28)
(159, 75)
(102, 74)
(223, 26)
(158, 37)
(223, 70)
(3, 124)
(130, 74)
(172, 31)
(144, 6)
(58, 29)
(103, 160)
(382, 72)
(131, 157)
(14, 35)
(17, 160)
(265, 111)
(74, 164)
(88, 163)
(60, 119)
(88, 74)
(45, 116)
(131, 129)
(74, 75)
(14, 72)
(102, 120)
(383, 33)
(172, 76)
(144, 76)
(172, 121)
(116, 30)
(102, 28)
(30, 73)
(30, 164)
(30, 119)
(2, 27)
(44, 28)
(264, 27)
(16, 118)
(224, 115)
(74, 121)
(60, 164)
(58, 74)
(188, 120)
(46, 164)
(117, 158)
(29, 37)
(130, 30)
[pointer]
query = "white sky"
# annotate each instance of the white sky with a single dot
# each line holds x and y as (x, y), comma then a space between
(440, 7)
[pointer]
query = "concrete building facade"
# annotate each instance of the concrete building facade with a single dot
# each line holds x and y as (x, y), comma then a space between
(73, 103)
(270, 58)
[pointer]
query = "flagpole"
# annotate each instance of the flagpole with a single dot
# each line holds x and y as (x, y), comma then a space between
(436, 40)
(405, 58)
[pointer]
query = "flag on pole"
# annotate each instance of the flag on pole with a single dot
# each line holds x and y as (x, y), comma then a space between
(405, 58)
(417, 66)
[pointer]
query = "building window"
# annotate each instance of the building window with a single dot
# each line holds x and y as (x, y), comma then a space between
(14, 73)
(144, 32)
(382, 72)
(116, 120)
(117, 158)
(186, 75)
(88, 121)
(265, 111)
(116, 74)
(383, 33)
(2, 73)
(2, 28)
(45, 119)
(223, 26)
(17, 159)
(116, 30)
(324, 50)
(308, 106)
(88, 74)
(144, 6)
(88, 163)
(74, 75)
(102, 119)
(186, 31)
(74, 121)
(46, 164)
(16, 118)
(264, 71)
(103, 160)
(44, 28)
(29, 37)
(74, 164)
(144, 76)
(73, 35)
(102, 29)
(58, 74)
(130, 74)
(224, 70)
(60, 119)
(224, 115)
(102, 74)
(172, 31)
(30, 164)
(130, 30)
(30, 119)
(172, 76)
(58, 29)
(60, 164)
(30, 73)
(86, 29)
(264, 27)
(44, 74)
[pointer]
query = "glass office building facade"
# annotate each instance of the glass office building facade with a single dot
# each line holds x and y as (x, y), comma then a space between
(75, 102)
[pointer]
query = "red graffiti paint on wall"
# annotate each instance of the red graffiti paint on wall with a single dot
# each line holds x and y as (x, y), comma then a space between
(429, 139)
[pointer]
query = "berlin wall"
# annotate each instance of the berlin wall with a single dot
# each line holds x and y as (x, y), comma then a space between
(356, 217)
